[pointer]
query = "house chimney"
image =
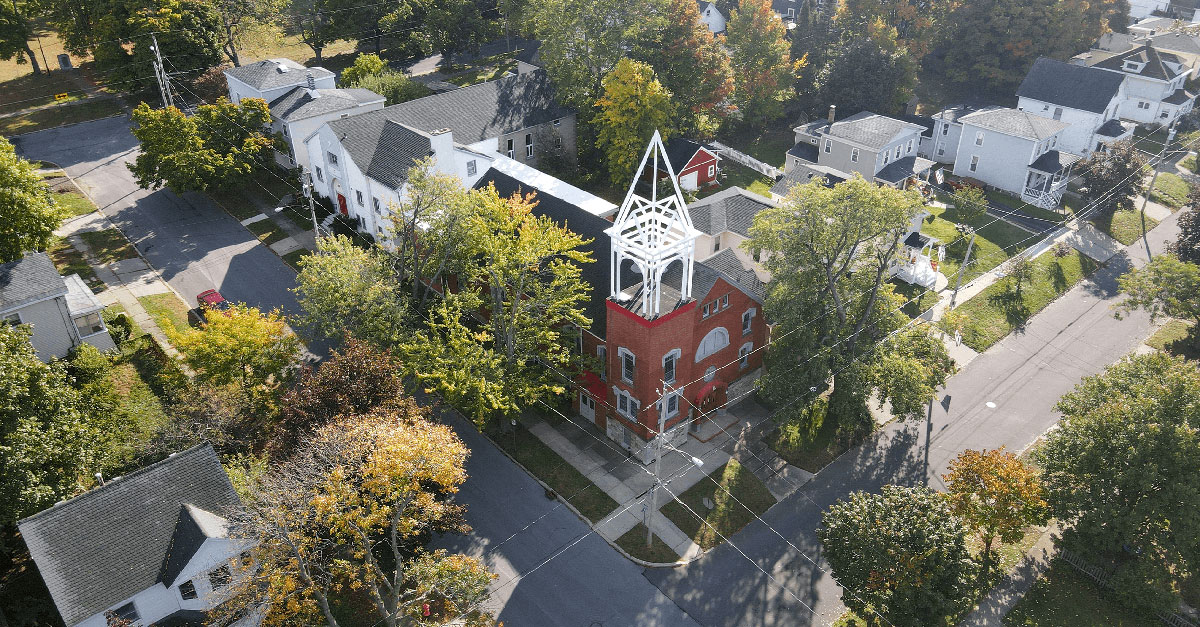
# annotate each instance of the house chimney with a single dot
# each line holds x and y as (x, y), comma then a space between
(312, 84)
(832, 113)
(441, 143)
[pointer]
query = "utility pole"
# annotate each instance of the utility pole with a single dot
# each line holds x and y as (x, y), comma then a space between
(662, 422)
(160, 74)
(966, 260)
(306, 185)
(1162, 155)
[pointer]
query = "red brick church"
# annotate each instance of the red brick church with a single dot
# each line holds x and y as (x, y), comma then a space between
(671, 331)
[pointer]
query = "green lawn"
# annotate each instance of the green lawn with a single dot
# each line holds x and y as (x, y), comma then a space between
(809, 442)
(75, 203)
(1062, 597)
(1170, 190)
(768, 143)
(482, 74)
(92, 109)
(267, 231)
(28, 91)
(293, 258)
(70, 261)
(108, 245)
(634, 543)
(137, 399)
(1175, 338)
(728, 516)
(736, 175)
(1153, 139)
(1012, 202)
(1125, 226)
(167, 306)
(561, 476)
(995, 241)
(1189, 162)
(998, 310)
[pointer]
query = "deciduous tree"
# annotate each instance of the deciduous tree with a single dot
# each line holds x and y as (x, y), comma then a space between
(633, 106)
(834, 311)
(347, 290)
(364, 65)
(353, 510)
(1123, 474)
(914, 24)
(240, 346)
(996, 495)
(15, 33)
(1187, 245)
(317, 22)
(996, 41)
(532, 301)
(759, 55)
(355, 380)
(692, 65)
(900, 555)
(582, 40)
(1113, 178)
(28, 212)
(970, 202)
(862, 74)
(53, 434)
(220, 147)
(190, 33)
(235, 16)
(1165, 287)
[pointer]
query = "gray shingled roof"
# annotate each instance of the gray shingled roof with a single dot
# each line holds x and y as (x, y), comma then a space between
(805, 151)
(106, 545)
(1186, 43)
(1014, 122)
(726, 265)
(731, 209)
(1155, 63)
(1054, 161)
(1179, 97)
(28, 279)
(382, 148)
(804, 173)
(266, 74)
(902, 168)
(680, 152)
(194, 526)
(954, 113)
(299, 104)
(870, 129)
(481, 111)
(1069, 85)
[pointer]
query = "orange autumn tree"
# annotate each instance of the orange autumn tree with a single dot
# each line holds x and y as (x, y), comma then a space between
(347, 519)
(996, 495)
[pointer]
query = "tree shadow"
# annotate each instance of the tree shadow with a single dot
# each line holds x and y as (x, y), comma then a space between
(1011, 303)
(1057, 277)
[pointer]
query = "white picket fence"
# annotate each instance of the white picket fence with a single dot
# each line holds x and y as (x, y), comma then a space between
(742, 158)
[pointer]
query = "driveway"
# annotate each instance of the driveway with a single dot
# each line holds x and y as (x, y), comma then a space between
(1023, 375)
(193, 243)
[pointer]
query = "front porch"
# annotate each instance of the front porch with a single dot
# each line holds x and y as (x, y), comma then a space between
(1047, 178)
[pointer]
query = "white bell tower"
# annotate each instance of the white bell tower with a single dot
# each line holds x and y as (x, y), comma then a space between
(653, 233)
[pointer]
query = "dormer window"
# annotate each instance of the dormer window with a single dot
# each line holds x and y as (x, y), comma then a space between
(1132, 66)
(220, 576)
(187, 590)
(127, 612)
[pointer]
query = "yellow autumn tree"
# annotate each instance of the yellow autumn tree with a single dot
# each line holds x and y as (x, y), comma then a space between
(633, 106)
(996, 494)
(348, 517)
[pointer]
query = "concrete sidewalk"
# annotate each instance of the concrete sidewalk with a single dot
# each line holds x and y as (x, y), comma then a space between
(126, 280)
(1005, 595)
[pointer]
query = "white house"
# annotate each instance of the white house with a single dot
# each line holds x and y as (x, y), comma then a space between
(1154, 81)
(1088, 99)
(1015, 151)
(301, 111)
(880, 148)
(271, 78)
(1141, 9)
(62, 312)
(947, 129)
(151, 546)
(712, 16)
(361, 163)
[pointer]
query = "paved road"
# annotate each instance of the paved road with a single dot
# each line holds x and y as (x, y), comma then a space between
(193, 243)
(1024, 376)
(588, 585)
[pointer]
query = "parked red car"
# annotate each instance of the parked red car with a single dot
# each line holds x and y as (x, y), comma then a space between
(212, 299)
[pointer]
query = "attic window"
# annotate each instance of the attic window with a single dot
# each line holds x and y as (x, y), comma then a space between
(187, 590)
(219, 577)
(1132, 66)
(127, 612)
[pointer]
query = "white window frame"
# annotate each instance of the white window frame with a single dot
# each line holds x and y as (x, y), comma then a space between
(744, 354)
(712, 170)
(627, 405)
(358, 197)
(622, 353)
(375, 206)
(672, 356)
(978, 138)
(945, 128)
(704, 311)
(88, 333)
(708, 345)
(511, 145)
(725, 302)
(528, 145)
(828, 145)
(332, 158)
(471, 168)
(910, 147)
(665, 410)
(854, 155)
(898, 149)
(320, 175)
(974, 166)
(748, 320)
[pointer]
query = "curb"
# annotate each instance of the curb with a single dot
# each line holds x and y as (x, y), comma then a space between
(124, 112)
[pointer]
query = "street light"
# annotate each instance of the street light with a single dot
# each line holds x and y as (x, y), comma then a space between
(661, 437)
